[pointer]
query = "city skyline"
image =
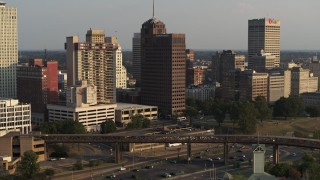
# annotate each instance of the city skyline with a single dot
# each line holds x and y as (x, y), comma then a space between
(207, 25)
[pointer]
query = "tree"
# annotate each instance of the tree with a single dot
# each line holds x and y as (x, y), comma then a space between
(234, 112)
(108, 127)
(264, 112)
(292, 106)
(60, 151)
(138, 121)
(313, 110)
(247, 118)
(29, 166)
(49, 172)
(219, 115)
(280, 170)
(190, 112)
(64, 127)
(294, 173)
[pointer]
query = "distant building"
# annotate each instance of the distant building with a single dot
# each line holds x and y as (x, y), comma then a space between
(82, 106)
(302, 81)
(196, 76)
(263, 34)
(37, 84)
(225, 62)
(263, 62)
(311, 98)
(315, 69)
(14, 116)
(13, 145)
(202, 93)
(93, 61)
(231, 85)
(129, 95)
(163, 68)
(125, 111)
(121, 71)
(62, 84)
(279, 85)
(290, 65)
(252, 85)
(8, 51)
(136, 58)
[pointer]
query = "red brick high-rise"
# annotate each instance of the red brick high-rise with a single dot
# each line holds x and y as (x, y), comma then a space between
(37, 83)
(163, 68)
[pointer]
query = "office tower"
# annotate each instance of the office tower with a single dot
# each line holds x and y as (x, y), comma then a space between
(314, 67)
(263, 62)
(121, 71)
(202, 93)
(92, 61)
(82, 106)
(136, 58)
(279, 84)
(163, 68)
(196, 75)
(302, 81)
(231, 85)
(190, 71)
(225, 62)
(37, 84)
(190, 58)
(8, 51)
(62, 84)
(14, 116)
(252, 85)
(264, 34)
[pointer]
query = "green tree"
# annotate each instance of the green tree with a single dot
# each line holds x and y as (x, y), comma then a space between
(29, 166)
(64, 127)
(292, 106)
(138, 121)
(78, 165)
(247, 118)
(191, 102)
(234, 111)
(264, 112)
(49, 172)
(108, 127)
(280, 170)
(219, 115)
(60, 151)
(190, 112)
(313, 110)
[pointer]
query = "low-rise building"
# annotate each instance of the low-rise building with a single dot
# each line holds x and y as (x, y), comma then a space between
(202, 93)
(82, 106)
(279, 85)
(124, 112)
(311, 98)
(252, 85)
(302, 81)
(14, 116)
(13, 145)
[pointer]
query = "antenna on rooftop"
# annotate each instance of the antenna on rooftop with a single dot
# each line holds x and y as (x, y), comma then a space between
(153, 10)
(45, 54)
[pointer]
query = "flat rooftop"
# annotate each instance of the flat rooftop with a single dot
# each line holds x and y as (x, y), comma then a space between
(123, 106)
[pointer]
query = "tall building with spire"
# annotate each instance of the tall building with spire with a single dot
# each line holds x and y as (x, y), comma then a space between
(263, 34)
(92, 61)
(163, 68)
(8, 51)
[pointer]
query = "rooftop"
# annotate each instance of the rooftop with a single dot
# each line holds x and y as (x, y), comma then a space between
(121, 106)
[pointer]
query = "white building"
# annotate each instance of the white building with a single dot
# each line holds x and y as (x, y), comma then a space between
(259, 151)
(124, 112)
(82, 106)
(14, 116)
(202, 93)
(8, 51)
(121, 71)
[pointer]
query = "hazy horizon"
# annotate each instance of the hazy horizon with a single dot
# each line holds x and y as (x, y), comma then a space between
(207, 24)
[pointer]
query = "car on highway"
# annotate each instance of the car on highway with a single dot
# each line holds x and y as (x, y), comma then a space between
(113, 176)
(173, 162)
(122, 168)
(233, 157)
(293, 154)
(166, 175)
(217, 159)
(149, 167)
(136, 170)
(210, 159)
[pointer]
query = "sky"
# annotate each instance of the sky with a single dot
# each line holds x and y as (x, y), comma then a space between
(208, 24)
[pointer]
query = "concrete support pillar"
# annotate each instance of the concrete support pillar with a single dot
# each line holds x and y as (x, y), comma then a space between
(276, 154)
(117, 153)
(226, 153)
(189, 152)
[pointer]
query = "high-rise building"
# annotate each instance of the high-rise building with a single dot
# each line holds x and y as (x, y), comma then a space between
(121, 71)
(314, 67)
(196, 75)
(37, 83)
(92, 61)
(252, 85)
(190, 58)
(264, 34)
(302, 81)
(136, 58)
(225, 62)
(14, 116)
(163, 68)
(8, 51)
(262, 62)
(231, 85)
(279, 85)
